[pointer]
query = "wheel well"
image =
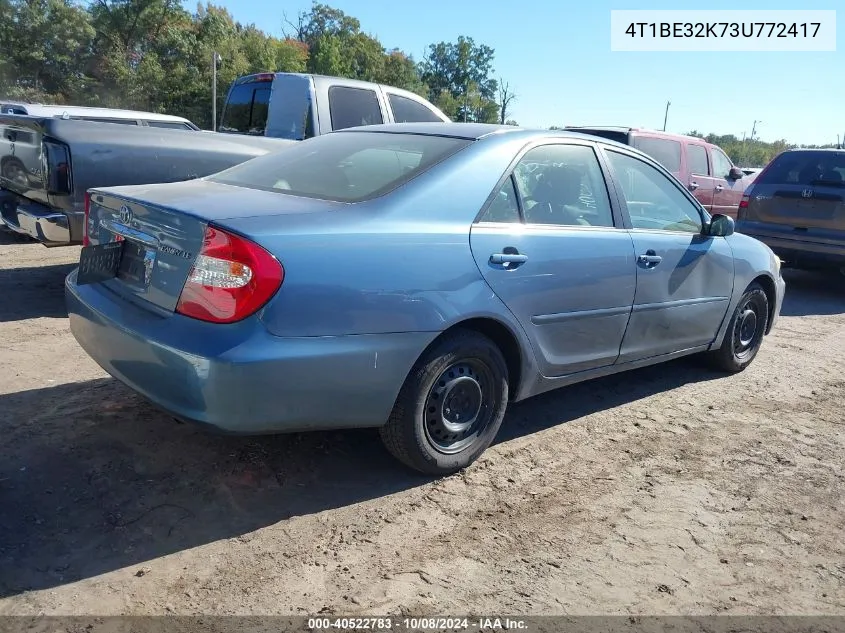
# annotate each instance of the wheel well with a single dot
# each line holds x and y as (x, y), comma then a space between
(769, 288)
(504, 340)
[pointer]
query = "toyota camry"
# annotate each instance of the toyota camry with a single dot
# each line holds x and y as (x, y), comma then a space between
(412, 277)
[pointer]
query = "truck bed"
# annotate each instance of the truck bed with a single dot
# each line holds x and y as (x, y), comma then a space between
(47, 165)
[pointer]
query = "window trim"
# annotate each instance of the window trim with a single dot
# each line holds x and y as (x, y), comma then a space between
(702, 212)
(612, 194)
(706, 159)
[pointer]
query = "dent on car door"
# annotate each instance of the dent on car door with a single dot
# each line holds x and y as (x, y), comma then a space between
(548, 246)
(728, 191)
(684, 278)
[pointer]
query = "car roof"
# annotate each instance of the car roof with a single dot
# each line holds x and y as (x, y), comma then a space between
(475, 131)
(38, 109)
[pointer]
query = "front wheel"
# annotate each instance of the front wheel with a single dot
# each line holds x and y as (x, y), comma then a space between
(451, 405)
(745, 331)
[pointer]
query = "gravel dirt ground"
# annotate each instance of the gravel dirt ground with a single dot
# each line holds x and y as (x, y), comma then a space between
(668, 490)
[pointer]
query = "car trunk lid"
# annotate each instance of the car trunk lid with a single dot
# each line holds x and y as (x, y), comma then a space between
(162, 229)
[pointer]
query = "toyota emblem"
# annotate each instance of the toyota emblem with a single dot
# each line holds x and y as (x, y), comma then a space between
(125, 214)
(807, 193)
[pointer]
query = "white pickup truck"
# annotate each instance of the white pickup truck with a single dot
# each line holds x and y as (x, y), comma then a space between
(50, 157)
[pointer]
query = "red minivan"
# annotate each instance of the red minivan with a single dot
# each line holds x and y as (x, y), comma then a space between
(701, 166)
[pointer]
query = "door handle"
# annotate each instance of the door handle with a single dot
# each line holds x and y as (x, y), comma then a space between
(650, 259)
(508, 258)
(719, 187)
(693, 186)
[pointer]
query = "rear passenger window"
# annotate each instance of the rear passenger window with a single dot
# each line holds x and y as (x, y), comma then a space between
(697, 159)
(563, 184)
(665, 152)
(353, 107)
(409, 111)
(504, 207)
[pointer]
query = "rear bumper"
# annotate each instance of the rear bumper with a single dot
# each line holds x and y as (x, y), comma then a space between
(239, 378)
(799, 252)
(48, 226)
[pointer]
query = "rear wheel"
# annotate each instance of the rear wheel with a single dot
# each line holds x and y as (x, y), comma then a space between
(745, 331)
(451, 405)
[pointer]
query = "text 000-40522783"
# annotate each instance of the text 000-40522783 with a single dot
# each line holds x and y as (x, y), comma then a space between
(717, 30)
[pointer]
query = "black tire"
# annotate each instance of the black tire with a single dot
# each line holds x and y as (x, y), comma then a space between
(464, 373)
(745, 332)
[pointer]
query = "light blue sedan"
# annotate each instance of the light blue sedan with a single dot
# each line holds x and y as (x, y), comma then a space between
(412, 277)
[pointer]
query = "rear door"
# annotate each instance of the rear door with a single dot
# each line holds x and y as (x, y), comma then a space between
(684, 279)
(802, 194)
(700, 179)
(728, 191)
(550, 245)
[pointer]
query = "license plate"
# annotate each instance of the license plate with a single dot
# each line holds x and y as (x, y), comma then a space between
(136, 264)
(99, 263)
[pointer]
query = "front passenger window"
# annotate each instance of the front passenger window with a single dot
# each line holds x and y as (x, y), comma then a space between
(653, 200)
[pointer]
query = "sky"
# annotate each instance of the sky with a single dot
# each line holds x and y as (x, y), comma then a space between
(556, 56)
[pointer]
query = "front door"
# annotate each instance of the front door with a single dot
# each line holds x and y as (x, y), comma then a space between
(684, 279)
(549, 248)
(727, 191)
(700, 180)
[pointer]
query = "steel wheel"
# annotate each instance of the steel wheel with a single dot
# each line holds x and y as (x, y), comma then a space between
(746, 328)
(457, 411)
(745, 332)
(451, 405)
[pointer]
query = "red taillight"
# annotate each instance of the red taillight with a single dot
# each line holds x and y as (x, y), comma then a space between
(86, 240)
(743, 207)
(231, 279)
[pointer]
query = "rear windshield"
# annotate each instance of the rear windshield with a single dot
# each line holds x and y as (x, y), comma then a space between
(344, 167)
(246, 107)
(805, 169)
(665, 152)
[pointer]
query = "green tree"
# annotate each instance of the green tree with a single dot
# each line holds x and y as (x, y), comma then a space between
(463, 70)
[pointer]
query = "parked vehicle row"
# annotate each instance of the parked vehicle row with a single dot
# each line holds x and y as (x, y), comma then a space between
(416, 278)
(50, 155)
(704, 168)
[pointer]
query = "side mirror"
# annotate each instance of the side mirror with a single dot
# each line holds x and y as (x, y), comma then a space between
(736, 173)
(721, 226)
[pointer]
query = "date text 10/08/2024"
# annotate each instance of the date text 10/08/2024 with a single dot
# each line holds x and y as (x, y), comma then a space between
(723, 29)
(417, 624)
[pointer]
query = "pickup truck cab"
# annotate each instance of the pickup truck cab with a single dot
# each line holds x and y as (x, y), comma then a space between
(702, 167)
(297, 106)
